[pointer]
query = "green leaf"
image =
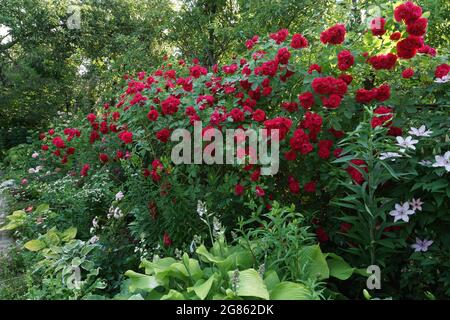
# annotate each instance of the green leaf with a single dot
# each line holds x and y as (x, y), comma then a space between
(271, 279)
(139, 281)
(250, 284)
(202, 289)
(35, 245)
(338, 267)
(314, 262)
(290, 291)
(173, 295)
(42, 208)
(69, 234)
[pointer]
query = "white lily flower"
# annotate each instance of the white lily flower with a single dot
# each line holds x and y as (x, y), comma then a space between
(443, 161)
(401, 212)
(420, 132)
(389, 155)
(406, 143)
(421, 245)
(416, 204)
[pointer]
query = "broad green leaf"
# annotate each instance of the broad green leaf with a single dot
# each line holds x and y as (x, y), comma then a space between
(250, 284)
(271, 279)
(173, 295)
(314, 262)
(202, 288)
(35, 245)
(338, 267)
(69, 234)
(139, 281)
(42, 208)
(290, 291)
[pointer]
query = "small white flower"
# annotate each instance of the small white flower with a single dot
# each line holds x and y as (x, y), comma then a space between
(95, 223)
(117, 213)
(119, 196)
(401, 212)
(31, 170)
(416, 204)
(421, 245)
(444, 79)
(421, 132)
(443, 161)
(389, 155)
(406, 143)
(425, 163)
(35, 155)
(94, 239)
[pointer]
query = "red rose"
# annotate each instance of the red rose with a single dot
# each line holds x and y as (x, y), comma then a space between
(315, 67)
(306, 100)
(294, 186)
(152, 115)
(395, 36)
(442, 70)
(283, 55)
(345, 60)
(260, 191)
(166, 240)
(407, 73)
(333, 35)
(163, 135)
(259, 115)
(322, 235)
(103, 157)
(238, 189)
(126, 137)
(383, 61)
(298, 41)
(84, 170)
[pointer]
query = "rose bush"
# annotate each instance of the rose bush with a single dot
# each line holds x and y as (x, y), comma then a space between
(343, 108)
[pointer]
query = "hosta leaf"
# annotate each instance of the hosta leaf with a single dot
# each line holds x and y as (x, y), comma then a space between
(139, 281)
(290, 291)
(338, 267)
(250, 284)
(34, 245)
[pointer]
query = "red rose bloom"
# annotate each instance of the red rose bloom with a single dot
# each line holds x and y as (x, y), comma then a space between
(260, 191)
(306, 100)
(314, 67)
(283, 55)
(322, 235)
(310, 187)
(84, 170)
(126, 137)
(58, 142)
(163, 135)
(395, 36)
(152, 115)
(345, 60)
(170, 105)
(383, 61)
(294, 186)
(333, 35)
(355, 173)
(407, 48)
(407, 73)
(103, 157)
(238, 189)
(298, 41)
(417, 28)
(407, 12)
(347, 78)
(331, 102)
(166, 240)
(259, 115)
(442, 70)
